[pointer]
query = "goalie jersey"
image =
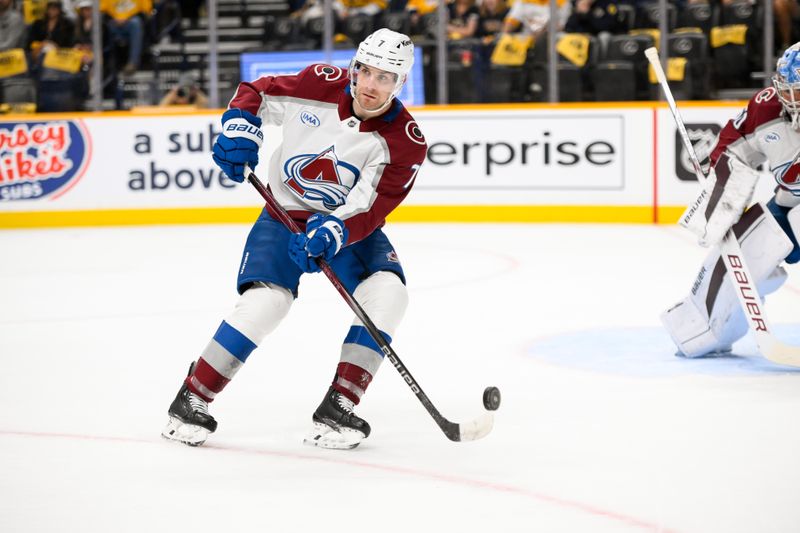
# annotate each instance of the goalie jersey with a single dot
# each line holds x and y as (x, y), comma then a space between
(762, 134)
(331, 162)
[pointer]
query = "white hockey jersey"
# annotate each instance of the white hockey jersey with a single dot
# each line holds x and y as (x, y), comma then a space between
(330, 161)
(762, 133)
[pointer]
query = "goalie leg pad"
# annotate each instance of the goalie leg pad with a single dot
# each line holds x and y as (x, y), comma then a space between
(710, 319)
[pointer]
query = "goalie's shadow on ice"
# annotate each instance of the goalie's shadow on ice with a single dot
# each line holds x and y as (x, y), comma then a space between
(648, 352)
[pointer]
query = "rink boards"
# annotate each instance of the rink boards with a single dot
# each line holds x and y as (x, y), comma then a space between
(617, 162)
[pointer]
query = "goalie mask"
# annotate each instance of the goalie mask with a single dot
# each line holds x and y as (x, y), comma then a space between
(385, 50)
(787, 83)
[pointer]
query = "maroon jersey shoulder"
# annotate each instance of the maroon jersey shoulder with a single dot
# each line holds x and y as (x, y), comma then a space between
(762, 108)
(405, 139)
(319, 82)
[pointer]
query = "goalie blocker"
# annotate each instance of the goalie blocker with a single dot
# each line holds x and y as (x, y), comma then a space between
(710, 319)
(725, 195)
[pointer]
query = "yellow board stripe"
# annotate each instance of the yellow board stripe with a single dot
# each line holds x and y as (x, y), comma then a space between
(409, 213)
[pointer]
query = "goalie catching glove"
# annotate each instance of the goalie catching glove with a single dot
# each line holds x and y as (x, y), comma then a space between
(324, 237)
(726, 193)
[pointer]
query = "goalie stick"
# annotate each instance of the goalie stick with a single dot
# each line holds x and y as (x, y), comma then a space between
(738, 272)
(472, 430)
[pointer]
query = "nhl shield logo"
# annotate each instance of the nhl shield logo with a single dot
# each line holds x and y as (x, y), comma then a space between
(703, 138)
(41, 159)
(320, 178)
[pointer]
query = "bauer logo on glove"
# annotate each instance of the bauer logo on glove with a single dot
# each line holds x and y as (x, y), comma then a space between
(238, 144)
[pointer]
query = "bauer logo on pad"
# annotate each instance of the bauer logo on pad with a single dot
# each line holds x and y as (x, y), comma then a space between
(41, 159)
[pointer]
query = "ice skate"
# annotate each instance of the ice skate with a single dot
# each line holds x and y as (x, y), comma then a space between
(189, 421)
(336, 426)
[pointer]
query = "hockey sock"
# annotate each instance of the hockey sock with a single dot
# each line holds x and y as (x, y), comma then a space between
(219, 362)
(361, 357)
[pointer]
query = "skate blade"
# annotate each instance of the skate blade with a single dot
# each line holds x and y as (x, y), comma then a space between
(323, 436)
(185, 433)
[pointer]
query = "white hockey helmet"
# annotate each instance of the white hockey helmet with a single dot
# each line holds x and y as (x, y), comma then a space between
(787, 83)
(386, 50)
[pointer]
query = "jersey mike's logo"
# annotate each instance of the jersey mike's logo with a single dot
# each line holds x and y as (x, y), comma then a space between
(320, 178)
(41, 159)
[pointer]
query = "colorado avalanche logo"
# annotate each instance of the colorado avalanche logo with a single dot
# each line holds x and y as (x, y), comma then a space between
(765, 95)
(328, 72)
(788, 175)
(320, 178)
(41, 159)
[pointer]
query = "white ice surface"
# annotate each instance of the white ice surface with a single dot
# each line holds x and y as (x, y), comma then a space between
(601, 428)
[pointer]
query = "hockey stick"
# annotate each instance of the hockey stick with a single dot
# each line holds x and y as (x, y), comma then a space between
(738, 272)
(473, 430)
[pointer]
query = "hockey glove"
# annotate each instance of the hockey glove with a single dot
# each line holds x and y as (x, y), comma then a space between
(726, 193)
(238, 143)
(324, 237)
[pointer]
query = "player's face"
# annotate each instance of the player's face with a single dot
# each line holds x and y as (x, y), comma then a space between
(790, 93)
(373, 87)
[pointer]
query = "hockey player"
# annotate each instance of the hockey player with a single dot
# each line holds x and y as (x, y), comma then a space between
(766, 132)
(349, 156)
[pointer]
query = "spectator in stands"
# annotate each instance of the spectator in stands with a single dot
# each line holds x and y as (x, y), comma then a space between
(12, 26)
(786, 14)
(53, 30)
(128, 19)
(186, 92)
(417, 10)
(83, 30)
(341, 8)
(491, 15)
(344, 8)
(595, 17)
(305, 9)
(531, 17)
(462, 19)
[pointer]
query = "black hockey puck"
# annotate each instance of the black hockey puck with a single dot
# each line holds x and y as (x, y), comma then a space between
(491, 398)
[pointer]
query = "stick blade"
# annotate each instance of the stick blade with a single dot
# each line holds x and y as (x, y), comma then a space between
(778, 351)
(476, 429)
(651, 54)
